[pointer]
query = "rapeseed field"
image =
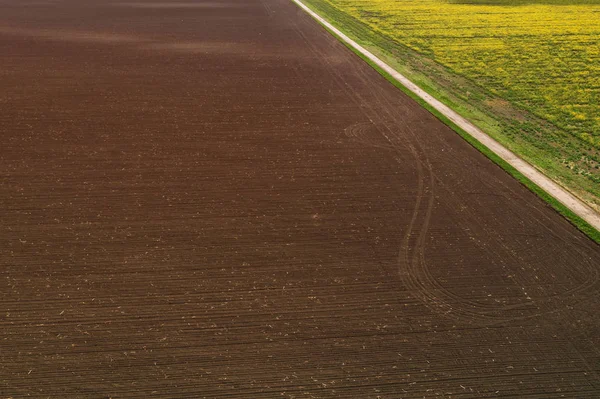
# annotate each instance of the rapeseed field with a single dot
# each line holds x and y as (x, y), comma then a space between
(541, 57)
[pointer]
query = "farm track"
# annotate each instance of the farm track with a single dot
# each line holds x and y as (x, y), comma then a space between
(218, 199)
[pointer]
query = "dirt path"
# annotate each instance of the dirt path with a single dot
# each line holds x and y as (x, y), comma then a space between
(224, 201)
(558, 192)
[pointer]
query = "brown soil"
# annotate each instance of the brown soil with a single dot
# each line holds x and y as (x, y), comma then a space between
(223, 201)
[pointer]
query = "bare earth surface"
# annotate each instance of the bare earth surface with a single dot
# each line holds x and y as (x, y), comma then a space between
(218, 199)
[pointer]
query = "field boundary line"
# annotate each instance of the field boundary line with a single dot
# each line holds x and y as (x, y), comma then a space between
(552, 188)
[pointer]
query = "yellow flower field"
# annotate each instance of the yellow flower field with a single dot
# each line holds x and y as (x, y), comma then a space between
(543, 56)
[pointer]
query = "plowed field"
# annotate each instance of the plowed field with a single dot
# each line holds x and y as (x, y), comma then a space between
(218, 199)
